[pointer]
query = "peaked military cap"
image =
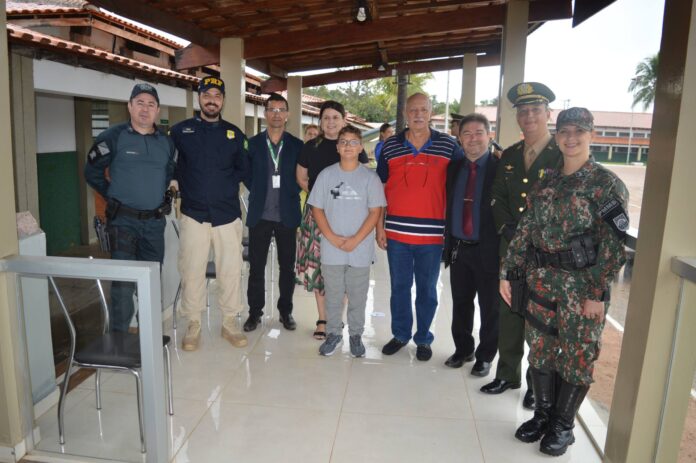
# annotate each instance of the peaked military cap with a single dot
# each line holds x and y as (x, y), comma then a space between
(530, 93)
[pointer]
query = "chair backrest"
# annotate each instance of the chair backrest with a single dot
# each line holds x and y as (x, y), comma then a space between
(66, 314)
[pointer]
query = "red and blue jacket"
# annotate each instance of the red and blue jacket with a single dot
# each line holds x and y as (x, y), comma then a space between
(415, 186)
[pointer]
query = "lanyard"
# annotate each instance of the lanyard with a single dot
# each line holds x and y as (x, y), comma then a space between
(275, 155)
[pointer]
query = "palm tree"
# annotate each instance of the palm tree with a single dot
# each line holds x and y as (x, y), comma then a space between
(643, 83)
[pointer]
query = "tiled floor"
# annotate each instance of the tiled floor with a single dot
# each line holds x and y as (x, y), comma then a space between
(278, 400)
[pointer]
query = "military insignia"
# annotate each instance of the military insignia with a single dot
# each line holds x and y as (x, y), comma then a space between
(508, 167)
(525, 89)
(230, 134)
(542, 172)
(613, 213)
(246, 144)
(492, 202)
(621, 222)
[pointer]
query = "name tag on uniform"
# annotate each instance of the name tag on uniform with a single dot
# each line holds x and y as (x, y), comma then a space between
(276, 181)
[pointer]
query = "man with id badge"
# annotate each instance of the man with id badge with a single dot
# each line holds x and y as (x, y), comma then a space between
(274, 211)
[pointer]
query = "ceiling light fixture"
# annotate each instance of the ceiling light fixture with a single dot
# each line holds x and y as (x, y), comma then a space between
(361, 15)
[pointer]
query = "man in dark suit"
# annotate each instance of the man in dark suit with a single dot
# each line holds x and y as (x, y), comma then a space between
(274, 211)
(471, 247)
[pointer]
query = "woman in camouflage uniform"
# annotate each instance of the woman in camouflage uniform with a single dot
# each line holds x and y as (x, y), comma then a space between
(570, 242)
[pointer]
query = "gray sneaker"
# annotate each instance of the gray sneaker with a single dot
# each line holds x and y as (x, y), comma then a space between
(357, 349)
(329, 346)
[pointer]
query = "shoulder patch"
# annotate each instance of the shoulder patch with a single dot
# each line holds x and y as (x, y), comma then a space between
(246, 144)
(613, 213)
(99, 150)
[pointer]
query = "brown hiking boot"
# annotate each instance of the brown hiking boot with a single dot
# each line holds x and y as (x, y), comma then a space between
(193, 336)
(231, 332)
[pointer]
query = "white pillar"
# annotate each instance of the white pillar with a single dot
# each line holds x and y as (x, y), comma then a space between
(189, 103)
(295, 102)
(511, 68)
(467, 102)
(232, 66)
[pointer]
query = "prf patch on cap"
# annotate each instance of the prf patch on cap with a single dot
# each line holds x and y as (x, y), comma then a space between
(212, 81)
(524, 89)
(230, 134)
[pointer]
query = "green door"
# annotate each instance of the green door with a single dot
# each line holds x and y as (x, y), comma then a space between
(59, 200)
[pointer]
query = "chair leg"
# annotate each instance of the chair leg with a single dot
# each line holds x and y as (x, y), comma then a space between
(207, 300)
(170, 388)
(61, 403)
(141, 417)
(176, 301)
(97, 388)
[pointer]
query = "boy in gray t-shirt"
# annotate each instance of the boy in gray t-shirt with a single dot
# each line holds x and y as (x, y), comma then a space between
(346, 201)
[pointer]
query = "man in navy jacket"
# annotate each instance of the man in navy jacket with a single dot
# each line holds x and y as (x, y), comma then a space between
(274, 211)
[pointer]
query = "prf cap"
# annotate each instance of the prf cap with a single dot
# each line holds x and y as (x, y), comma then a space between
(530, 93)
(144, 88)
(579, 117)
(209, 82)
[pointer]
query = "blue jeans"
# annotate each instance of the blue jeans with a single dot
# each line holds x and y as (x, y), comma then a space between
(405, 262)
(132, 239)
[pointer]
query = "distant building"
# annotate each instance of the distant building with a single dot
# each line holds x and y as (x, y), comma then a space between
(615, 133)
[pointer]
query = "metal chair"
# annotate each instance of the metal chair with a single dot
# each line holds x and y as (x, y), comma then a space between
(112, 351)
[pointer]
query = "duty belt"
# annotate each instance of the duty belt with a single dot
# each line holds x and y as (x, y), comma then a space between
(565, 260)
(138, 214)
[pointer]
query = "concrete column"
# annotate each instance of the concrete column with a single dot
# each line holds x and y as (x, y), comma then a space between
(12, 390)
(467, 102)
(652, 388)
(511, 68)
(295, 102)
(24, 134)
(83, 142)
(232, 66)
(640, 153)
(401, 96)
(189, 103)
(611, 151)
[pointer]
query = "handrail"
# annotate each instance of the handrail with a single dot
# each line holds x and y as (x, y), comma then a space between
(147, 277)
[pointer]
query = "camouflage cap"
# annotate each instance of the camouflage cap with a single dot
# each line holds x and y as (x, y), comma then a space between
(144, 88)
(579, 117)
(530, 93)
(209, 82)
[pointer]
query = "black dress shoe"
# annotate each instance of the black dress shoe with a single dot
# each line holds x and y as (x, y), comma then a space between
(528, 401)
(498, 386)
(424, 352)
(481, 368)
(392, 347)
(251, 323)
(288, 322)
(458, 360)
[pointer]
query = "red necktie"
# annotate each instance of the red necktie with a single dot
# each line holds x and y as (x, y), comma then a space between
(468, 210)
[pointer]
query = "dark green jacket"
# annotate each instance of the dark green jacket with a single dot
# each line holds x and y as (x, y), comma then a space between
(512, 184)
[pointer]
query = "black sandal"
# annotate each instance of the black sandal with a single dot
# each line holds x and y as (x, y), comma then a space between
(320, 335)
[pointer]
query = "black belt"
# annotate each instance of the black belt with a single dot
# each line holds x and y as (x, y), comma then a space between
(562, 259)
(466, 243)
(138, 214)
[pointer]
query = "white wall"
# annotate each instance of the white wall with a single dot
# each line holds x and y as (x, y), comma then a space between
(55, 123)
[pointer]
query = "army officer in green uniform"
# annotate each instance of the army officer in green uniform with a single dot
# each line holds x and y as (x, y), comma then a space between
(520, 167)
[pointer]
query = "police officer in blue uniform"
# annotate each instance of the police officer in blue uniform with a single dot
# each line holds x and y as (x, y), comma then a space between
(213, 160)
(140, 161)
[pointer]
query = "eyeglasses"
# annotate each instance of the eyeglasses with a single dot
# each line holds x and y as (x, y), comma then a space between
(276, 110)
(352, 143)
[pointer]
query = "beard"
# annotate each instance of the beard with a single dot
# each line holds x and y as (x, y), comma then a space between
(211, 112)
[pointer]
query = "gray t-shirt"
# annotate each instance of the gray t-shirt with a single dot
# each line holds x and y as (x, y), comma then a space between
(346, 198)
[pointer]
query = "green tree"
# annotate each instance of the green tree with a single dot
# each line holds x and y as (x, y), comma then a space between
(373, 100)
(493, 102)
(643, 83)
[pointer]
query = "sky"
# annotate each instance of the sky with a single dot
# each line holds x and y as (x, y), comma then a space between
(591, 65)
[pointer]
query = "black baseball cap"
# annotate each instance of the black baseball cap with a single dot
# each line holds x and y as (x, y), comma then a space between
(144, 88)
(211, 82)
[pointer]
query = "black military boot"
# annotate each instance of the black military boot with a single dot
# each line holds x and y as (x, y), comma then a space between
(543, 384)
(528, 401)
(560, 431)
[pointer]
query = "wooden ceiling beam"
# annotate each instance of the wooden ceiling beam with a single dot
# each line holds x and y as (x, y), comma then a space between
(418, 67)
(154, 17)
(384, 29)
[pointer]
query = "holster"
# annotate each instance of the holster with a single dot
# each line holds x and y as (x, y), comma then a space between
(519, 289)
(112, 207)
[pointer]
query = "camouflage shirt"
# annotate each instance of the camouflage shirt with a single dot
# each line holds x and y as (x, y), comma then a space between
(564, 206)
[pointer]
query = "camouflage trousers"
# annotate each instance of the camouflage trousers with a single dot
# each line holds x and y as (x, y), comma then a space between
(560, 338)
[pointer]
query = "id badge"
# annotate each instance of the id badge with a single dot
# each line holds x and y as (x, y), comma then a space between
(276, 181)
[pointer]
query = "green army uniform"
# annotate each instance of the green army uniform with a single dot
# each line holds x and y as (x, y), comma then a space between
(510, 188)
(561, 339)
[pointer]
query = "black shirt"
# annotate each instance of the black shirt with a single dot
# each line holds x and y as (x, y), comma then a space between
(318, 154)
